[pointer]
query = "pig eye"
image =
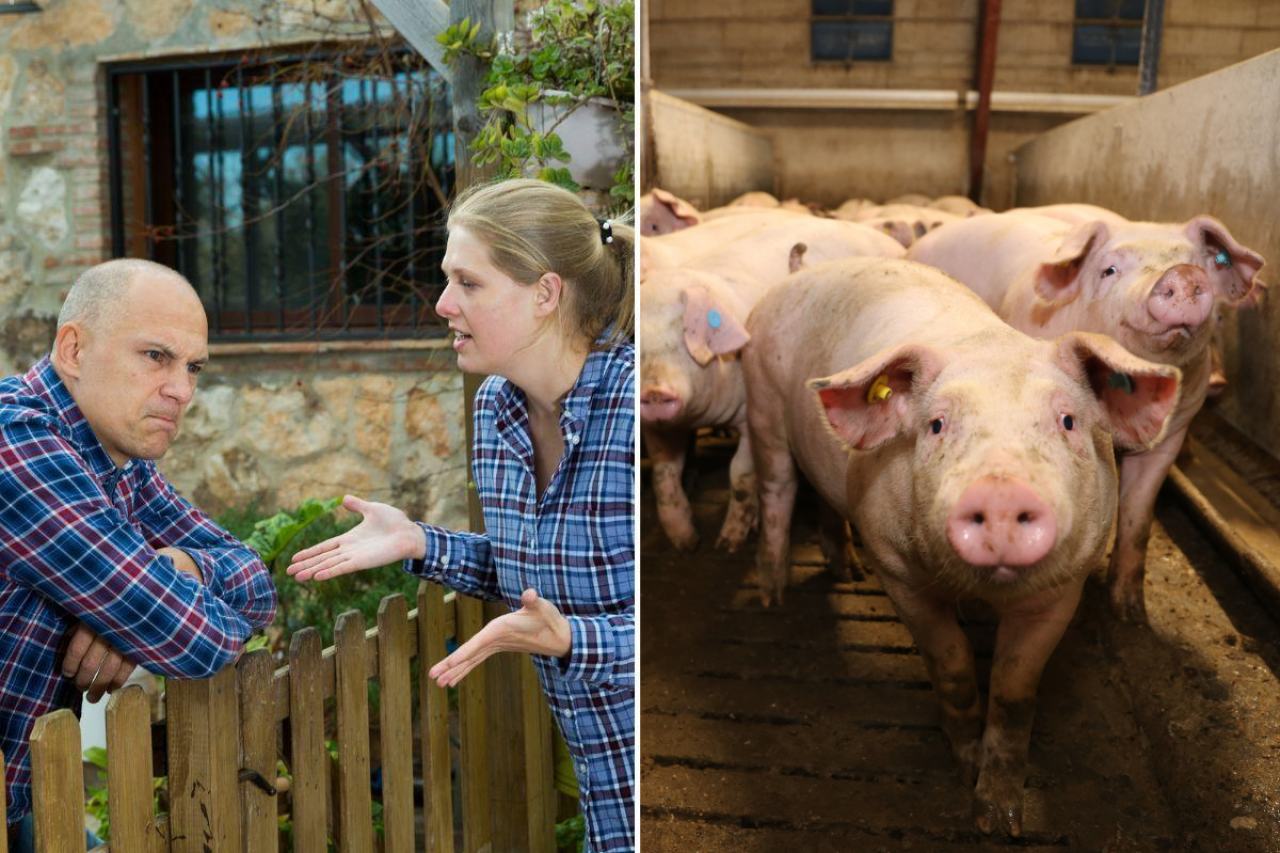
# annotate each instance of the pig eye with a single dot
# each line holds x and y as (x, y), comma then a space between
(936, 426)
(1068, 422)
(1111, 270)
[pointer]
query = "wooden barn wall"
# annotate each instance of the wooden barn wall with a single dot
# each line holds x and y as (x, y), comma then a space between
(1208, 146)
(703, 156)
(765, 44)
(827, 155)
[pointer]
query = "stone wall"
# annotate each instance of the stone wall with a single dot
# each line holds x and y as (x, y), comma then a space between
(270, 424)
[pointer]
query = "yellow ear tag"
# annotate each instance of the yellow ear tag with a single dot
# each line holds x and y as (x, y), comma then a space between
(879, 390)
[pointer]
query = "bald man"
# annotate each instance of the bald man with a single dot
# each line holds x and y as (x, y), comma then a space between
(102, 565)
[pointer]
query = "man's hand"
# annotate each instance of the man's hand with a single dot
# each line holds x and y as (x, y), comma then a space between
(96, 667)
(537, 627)
(182, 562)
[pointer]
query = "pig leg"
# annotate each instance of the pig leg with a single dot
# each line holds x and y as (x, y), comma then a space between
(1028, 634)
(837, 544)
(743, 514)
(1141, 475)
(667, 452)
(778, 483)
(949, 658)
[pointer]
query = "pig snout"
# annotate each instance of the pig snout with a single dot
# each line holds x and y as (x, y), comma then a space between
(1182, 297)
(659, 403)
(1002, 522)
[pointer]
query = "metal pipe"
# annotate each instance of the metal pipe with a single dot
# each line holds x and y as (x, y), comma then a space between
(1149, 59)
(986, 80)
(895, 99)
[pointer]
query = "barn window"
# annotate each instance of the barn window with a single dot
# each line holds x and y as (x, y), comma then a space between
(1108, 32)
(302, 197)
(844, 30)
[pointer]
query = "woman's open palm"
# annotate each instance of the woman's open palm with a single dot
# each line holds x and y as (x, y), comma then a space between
(386, 535)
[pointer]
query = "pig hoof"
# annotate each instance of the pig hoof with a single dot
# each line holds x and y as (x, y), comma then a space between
(991, 816)
(684, 541)
(730, 540)
(1129, 606)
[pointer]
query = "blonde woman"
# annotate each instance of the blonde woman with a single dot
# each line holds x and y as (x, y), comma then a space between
(540, 296)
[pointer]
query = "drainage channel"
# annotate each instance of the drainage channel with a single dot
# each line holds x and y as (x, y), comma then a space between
(813, 726)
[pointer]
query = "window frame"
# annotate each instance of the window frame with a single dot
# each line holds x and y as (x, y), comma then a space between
(335, 309)
(817, 19)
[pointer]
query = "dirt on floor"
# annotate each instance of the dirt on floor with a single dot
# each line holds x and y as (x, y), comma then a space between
(812, 726)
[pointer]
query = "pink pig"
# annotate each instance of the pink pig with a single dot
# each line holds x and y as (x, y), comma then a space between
(691, 329)
(1150, 286)
(975, 461)
(663, 213)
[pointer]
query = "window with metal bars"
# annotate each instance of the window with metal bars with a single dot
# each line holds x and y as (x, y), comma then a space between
(845, 30)
(301, 197)
(1108, 32)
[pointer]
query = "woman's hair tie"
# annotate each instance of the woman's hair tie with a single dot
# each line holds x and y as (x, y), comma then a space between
(606, 231)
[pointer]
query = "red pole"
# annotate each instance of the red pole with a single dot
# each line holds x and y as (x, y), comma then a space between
(982, 118)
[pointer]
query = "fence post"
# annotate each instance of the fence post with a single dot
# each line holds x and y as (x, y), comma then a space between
(203, 727)
(355, 801)
(131, 804)
(539, 763)
(57, 783)
(395, 705)
(507, 781)
(476, 828)
(309, 760)
(258, 750)
(433, 704)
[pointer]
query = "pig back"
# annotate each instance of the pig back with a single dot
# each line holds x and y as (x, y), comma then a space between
(680, 247)
(830, 317)
(764, 255)
(991, 254)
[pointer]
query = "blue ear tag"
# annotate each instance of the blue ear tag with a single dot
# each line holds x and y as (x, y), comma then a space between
(1123, 381)
(713, 317)
(1223, 258)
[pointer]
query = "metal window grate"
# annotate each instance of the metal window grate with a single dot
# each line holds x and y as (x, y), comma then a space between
(1108, 32)
(303, 197)
(845, 30)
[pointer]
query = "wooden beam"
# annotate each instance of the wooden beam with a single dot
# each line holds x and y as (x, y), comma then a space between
(420, 21)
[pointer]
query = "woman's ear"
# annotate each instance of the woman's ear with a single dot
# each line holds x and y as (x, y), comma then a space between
(547, 293)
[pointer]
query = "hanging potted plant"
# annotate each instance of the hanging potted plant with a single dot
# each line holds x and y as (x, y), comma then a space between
(559, 98)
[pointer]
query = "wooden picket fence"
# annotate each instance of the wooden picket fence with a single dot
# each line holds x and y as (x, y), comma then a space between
(226, 734)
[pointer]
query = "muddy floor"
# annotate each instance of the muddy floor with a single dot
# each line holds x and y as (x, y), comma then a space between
(813, 726)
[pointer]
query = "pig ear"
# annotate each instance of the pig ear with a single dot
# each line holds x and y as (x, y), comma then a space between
(1232, 267)
(710, 328)
(679, 208)
(863, 419)
(1139, 395)
(1058, 281)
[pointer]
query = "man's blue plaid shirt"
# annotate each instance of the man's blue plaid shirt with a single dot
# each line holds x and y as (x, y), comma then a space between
(576, 548)
(77, 543)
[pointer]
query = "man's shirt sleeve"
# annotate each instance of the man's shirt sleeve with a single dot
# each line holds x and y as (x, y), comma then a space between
(232, 571)
(65, 539)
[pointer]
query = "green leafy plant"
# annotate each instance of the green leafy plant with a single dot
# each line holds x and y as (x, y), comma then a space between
(570, 834)
(572, 53)
(276, 538)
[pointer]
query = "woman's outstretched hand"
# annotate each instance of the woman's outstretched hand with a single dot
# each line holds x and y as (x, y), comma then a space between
(537, 627)
(385, 536)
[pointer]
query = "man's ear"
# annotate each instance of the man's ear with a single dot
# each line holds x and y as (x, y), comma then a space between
(68, 349)
(547, 293)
